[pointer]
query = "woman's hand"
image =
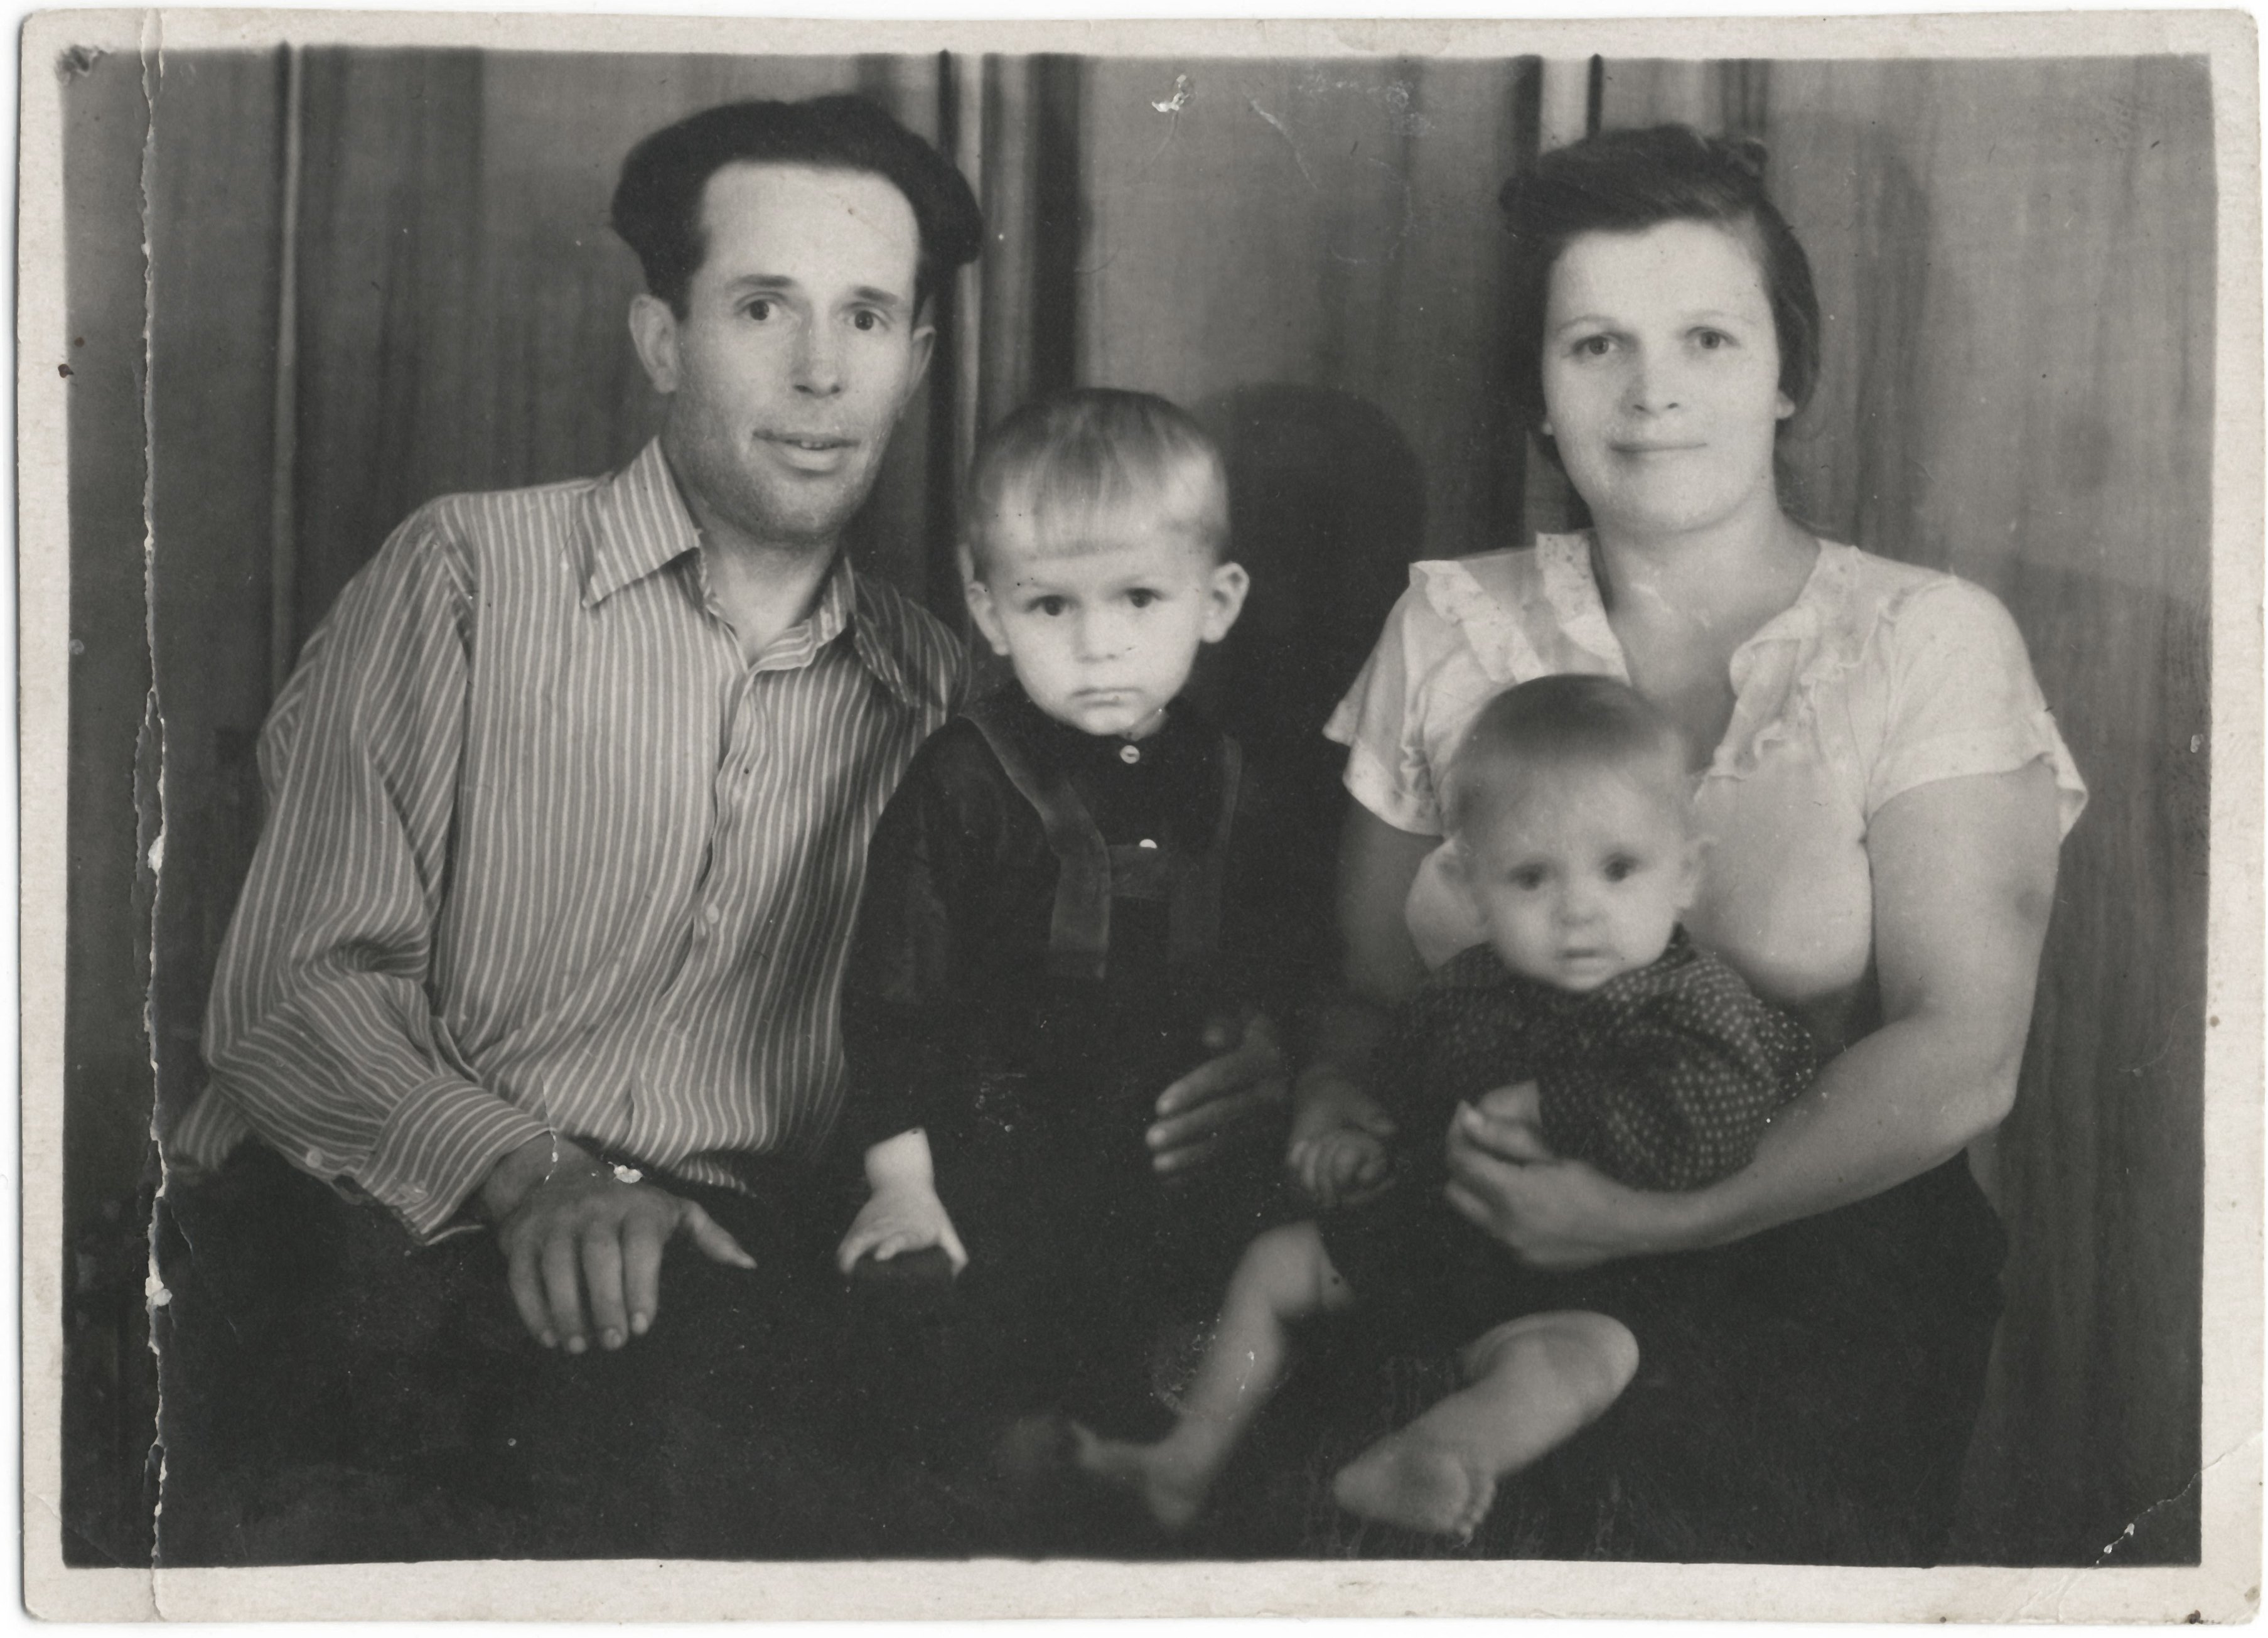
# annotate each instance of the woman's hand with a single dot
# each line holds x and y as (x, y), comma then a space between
(1234, 1098)
(1552, 1214)
(1509, 1122)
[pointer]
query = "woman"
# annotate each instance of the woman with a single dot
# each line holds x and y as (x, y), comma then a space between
(1884, 792)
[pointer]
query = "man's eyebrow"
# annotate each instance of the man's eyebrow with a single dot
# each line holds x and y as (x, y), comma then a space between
(870, 295)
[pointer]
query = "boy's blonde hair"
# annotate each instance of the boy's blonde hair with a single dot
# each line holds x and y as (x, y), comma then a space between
(1552, 724)
(1072, 466)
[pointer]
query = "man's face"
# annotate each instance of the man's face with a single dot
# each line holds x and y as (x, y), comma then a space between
(796, 351)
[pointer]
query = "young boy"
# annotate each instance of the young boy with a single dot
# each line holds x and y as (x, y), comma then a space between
(1040, 949)
(1640, 1054)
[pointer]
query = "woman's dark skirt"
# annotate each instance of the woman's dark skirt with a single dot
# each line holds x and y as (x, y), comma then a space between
(1806, 1396)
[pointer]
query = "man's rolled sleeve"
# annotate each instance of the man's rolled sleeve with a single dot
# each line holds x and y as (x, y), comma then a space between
(320, 1029)
(435, 1148)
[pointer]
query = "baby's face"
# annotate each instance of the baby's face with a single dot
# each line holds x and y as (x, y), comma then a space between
(1104, 635)
(1583, 880)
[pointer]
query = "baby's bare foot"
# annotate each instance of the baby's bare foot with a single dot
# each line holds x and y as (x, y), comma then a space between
(1418, 1483)
(1173, 1497)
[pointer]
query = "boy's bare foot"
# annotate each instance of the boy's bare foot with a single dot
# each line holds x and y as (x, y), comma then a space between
(1419, 1483)
(1174, 1496)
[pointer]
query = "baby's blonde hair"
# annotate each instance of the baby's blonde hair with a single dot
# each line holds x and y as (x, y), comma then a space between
(1535, 730)
(1073, 467)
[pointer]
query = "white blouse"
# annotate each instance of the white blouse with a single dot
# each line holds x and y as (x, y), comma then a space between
(1879, 677)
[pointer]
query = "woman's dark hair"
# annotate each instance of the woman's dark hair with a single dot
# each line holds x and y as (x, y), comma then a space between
(656, 207)
(1625, 182)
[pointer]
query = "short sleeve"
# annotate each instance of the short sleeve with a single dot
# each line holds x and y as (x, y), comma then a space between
(1381, 720)
(1963, 700)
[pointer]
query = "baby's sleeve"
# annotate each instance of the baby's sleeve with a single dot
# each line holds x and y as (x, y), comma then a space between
(1381, 720)
(1963, 700)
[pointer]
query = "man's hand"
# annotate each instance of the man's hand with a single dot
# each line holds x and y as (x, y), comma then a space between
(571, 1230)
(906, 1218)
(1223, 1098)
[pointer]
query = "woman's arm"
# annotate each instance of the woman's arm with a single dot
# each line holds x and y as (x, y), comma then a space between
(1377, 864)
(1963, 879)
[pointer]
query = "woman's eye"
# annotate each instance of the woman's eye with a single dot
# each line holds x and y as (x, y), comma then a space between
(1593, 346)
(1528, 880)
(1710, 341)
(1620, 869)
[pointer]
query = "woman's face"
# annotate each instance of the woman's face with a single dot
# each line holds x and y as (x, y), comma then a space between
(1661, 377)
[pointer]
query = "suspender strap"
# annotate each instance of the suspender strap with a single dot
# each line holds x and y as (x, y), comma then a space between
(1193, 922)
(1078, 931)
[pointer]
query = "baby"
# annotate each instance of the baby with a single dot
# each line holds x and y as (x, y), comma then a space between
(1637, 1052)
(1039, 950)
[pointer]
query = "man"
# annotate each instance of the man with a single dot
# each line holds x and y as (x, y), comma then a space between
(569, 804)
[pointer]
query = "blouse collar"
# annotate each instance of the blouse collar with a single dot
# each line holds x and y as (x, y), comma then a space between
(1774, 675)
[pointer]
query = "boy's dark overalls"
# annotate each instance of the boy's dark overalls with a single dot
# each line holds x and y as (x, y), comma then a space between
(1050, 907)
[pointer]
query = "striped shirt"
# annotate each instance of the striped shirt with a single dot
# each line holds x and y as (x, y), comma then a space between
(546, 853)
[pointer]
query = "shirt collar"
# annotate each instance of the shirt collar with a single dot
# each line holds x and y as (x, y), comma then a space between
(635, 522)
(832, 613)
(871, 627)
(1186, 735)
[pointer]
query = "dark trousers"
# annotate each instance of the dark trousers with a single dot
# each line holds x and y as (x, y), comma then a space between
(1085, 1265)
(332, 1392)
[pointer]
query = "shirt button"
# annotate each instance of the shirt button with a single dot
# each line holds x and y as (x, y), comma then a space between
(1146, 841)
(712, 915)
(315, 1157)
(1129, 754)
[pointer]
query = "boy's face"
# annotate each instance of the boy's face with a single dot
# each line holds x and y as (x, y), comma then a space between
(1583, 880)
(1104, 637)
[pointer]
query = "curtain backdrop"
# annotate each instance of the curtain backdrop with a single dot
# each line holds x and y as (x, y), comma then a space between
(378, 277)
(2016, 260)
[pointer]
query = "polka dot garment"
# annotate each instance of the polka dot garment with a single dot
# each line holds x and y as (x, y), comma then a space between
(1664, 1078)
